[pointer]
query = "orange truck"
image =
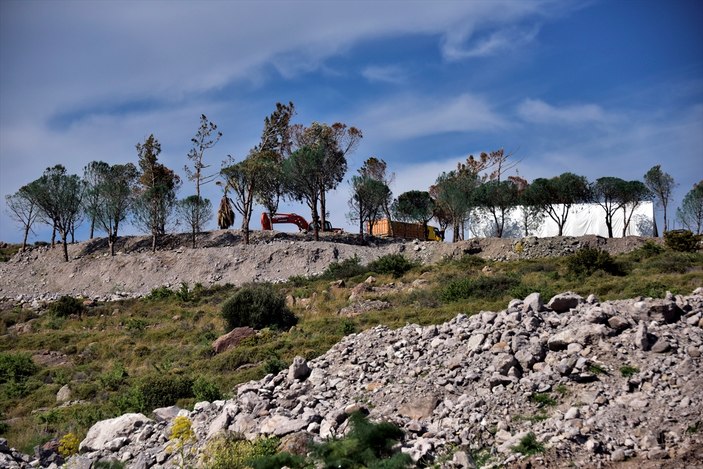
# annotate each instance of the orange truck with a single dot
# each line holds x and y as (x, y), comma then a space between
(397, 229)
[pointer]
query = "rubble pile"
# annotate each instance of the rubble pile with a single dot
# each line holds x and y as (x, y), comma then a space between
(595, 383)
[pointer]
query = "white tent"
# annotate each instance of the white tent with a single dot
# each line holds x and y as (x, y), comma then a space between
(583, 219)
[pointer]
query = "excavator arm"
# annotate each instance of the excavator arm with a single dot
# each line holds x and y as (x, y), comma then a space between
(267, 220)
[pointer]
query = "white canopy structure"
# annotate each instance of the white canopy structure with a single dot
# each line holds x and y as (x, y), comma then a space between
(583, 219)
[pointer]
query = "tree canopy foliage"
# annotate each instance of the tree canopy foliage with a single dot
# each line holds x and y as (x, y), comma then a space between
(690, 214)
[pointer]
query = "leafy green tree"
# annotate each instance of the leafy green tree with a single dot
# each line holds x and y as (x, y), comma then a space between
(368, 198)
(94, 175)
(555, 196)
(633, 194)
(690, 214)
(498, 198)
(453, 195)
(302, 173)
(414, 206)
(244, 178)
(58, 195)
(275, 145)
(371, 195)
(114, 195)
(662, 186)
(156, 191)
(531, 217)
(334, 142)
(608, 193)
(22, 208)
(195, 213)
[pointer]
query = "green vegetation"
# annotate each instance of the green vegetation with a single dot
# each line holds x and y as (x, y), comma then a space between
(135, 355)
(8, 250)
(367, 445)
(393, 264)
(682, 240)
(627, 371)
(234, 452)
(66, 306)
(543, 399)
(589, 260)
(257, 306)
(529, 445)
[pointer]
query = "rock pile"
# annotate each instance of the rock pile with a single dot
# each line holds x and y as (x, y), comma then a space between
(596, 383)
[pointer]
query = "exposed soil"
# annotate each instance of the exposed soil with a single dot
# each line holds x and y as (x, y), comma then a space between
(221, 258)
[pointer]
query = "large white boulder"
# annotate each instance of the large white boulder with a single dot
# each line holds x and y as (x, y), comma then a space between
(108, 430)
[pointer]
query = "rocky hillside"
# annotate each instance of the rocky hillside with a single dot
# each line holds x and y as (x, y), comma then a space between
(597, 384)
(221, 258)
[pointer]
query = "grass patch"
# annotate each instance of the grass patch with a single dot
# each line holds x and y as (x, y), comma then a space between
(529, 445)
(534, 418)
(627, 371)
(597, 369)
(543, 399)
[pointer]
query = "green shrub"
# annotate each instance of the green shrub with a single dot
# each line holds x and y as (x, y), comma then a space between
(346, 269)
(274, 365)
(682, 240)
(160, 293)
(113, 378)
(366, 445)
(529, 445)
(257, 306)
(394, 264)
(163, 390)
(66, 306)
(16, 367)
(588, 260)
(231, 451)
(485, 287)
(647, 250)
(206, 390)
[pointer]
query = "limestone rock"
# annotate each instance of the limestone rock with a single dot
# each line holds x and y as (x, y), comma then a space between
(232, 339)
(563, 302)
(64, 394)
(105, 431)
(299, 369)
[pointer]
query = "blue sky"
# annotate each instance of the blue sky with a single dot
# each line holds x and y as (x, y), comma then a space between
(601, 88)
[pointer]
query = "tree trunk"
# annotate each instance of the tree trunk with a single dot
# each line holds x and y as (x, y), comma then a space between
(24, 240)
(111, 241)
(53, 237)
(323, 209)
(193, 237)
(245, 227)
(65, 246)
(153, 242)
(316, 222)
(92, 228)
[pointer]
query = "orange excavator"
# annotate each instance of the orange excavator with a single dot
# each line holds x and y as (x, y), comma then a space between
(267, 222)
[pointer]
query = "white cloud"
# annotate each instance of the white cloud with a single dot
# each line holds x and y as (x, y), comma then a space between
(387, 74)
(495, 42)
(409, 116)
(537, 111)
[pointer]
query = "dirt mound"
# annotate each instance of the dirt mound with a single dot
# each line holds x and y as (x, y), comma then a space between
(221, 258)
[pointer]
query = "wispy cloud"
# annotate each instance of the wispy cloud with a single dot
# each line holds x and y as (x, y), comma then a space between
(497, 41)
(411, 116)
(540, 112)
(385, 73)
